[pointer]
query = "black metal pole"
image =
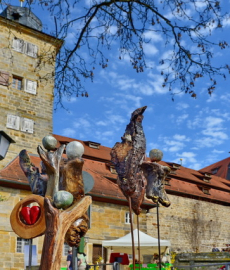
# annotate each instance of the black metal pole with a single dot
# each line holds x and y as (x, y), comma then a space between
(74, 258)
(30, 252)
(158, 234)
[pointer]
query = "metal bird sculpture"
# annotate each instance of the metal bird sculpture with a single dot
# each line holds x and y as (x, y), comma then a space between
(127, 157)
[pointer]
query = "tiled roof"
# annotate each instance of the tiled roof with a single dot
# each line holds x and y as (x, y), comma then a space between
(182, 181)
(221, 166)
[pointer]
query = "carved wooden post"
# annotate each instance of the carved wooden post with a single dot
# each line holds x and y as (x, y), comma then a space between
(57, 224)
(60, 210)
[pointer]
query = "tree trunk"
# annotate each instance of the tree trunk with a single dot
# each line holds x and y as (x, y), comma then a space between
(57, 224)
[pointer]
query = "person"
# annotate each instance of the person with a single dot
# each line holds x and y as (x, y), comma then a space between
(155, 258)
(83, 264)
(69, 260)
(215, 249)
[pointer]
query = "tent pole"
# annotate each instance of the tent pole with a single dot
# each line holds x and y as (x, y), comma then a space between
(139, 247)
(132, 237)
(158, 234)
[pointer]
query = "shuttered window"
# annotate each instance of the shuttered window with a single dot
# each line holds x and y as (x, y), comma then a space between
(18, 45)
(27, 125)
(4, 78)
(31, 50)
(22, 46)
(13, 121)
(30, 87)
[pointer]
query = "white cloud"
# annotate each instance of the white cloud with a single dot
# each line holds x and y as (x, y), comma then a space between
(181, 138)
(69, 132)
(187, 157)
(153, 36)
(181, 118)
(150, 49)
(181, 106)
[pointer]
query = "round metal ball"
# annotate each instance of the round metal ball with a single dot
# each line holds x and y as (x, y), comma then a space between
(74, 150)
(63, 199)
(49, 142)
(156, 155)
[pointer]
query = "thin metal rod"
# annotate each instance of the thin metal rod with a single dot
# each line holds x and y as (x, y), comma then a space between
(132, 237)
(158, 234)
(139, 246)
(30, 252)
(74, 258)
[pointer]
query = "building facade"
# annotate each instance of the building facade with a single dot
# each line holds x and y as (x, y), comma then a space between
(27, 65)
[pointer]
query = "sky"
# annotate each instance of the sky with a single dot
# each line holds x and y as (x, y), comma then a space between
(191, 132)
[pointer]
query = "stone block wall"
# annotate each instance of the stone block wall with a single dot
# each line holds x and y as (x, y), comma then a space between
(191, 225)
(37, 107)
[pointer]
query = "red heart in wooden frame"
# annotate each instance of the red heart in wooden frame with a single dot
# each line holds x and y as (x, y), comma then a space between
(30, 215)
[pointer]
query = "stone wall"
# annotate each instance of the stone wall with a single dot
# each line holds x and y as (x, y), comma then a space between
(37, 107)
(192, 225)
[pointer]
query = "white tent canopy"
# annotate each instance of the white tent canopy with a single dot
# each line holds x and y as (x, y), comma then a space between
(148, 244)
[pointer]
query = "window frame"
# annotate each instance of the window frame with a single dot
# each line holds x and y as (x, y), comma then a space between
(28, 48)
(18, 79)
(127, 218)
(66, 248)
(30, 86)
(15, 118)
(20, 243)
(29, 123)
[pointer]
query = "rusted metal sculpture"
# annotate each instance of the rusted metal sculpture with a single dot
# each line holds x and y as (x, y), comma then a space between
(127, 157)
(155, 175)
(60, 198)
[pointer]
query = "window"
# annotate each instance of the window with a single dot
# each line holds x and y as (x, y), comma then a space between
(167, 182)
(18, 45)
(206, 191)
(27, 125)
(4, 78)
(31, 49)
(28, 48)
(214, 171)
(30, 87)
(127, 218)
(13, 121)
(66, 247)
(20, 244)
(17, 83)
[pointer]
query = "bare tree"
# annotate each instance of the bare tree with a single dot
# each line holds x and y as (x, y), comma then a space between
(98, 25)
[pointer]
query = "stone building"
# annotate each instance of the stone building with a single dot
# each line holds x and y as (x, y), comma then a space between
(26, 79)
(199, 213)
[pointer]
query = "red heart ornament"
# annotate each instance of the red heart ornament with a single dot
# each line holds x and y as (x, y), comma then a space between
(25, 213)
(30, 215)
(34, 213)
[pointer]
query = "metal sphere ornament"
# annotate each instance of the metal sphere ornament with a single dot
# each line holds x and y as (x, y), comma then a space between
(156, 155)
(74, 150)
(49, 142)
(63, 199)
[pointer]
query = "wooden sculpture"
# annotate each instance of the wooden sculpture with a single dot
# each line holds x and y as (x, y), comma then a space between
(61, 207)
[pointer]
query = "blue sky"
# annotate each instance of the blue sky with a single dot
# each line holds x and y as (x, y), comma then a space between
(194, 130)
